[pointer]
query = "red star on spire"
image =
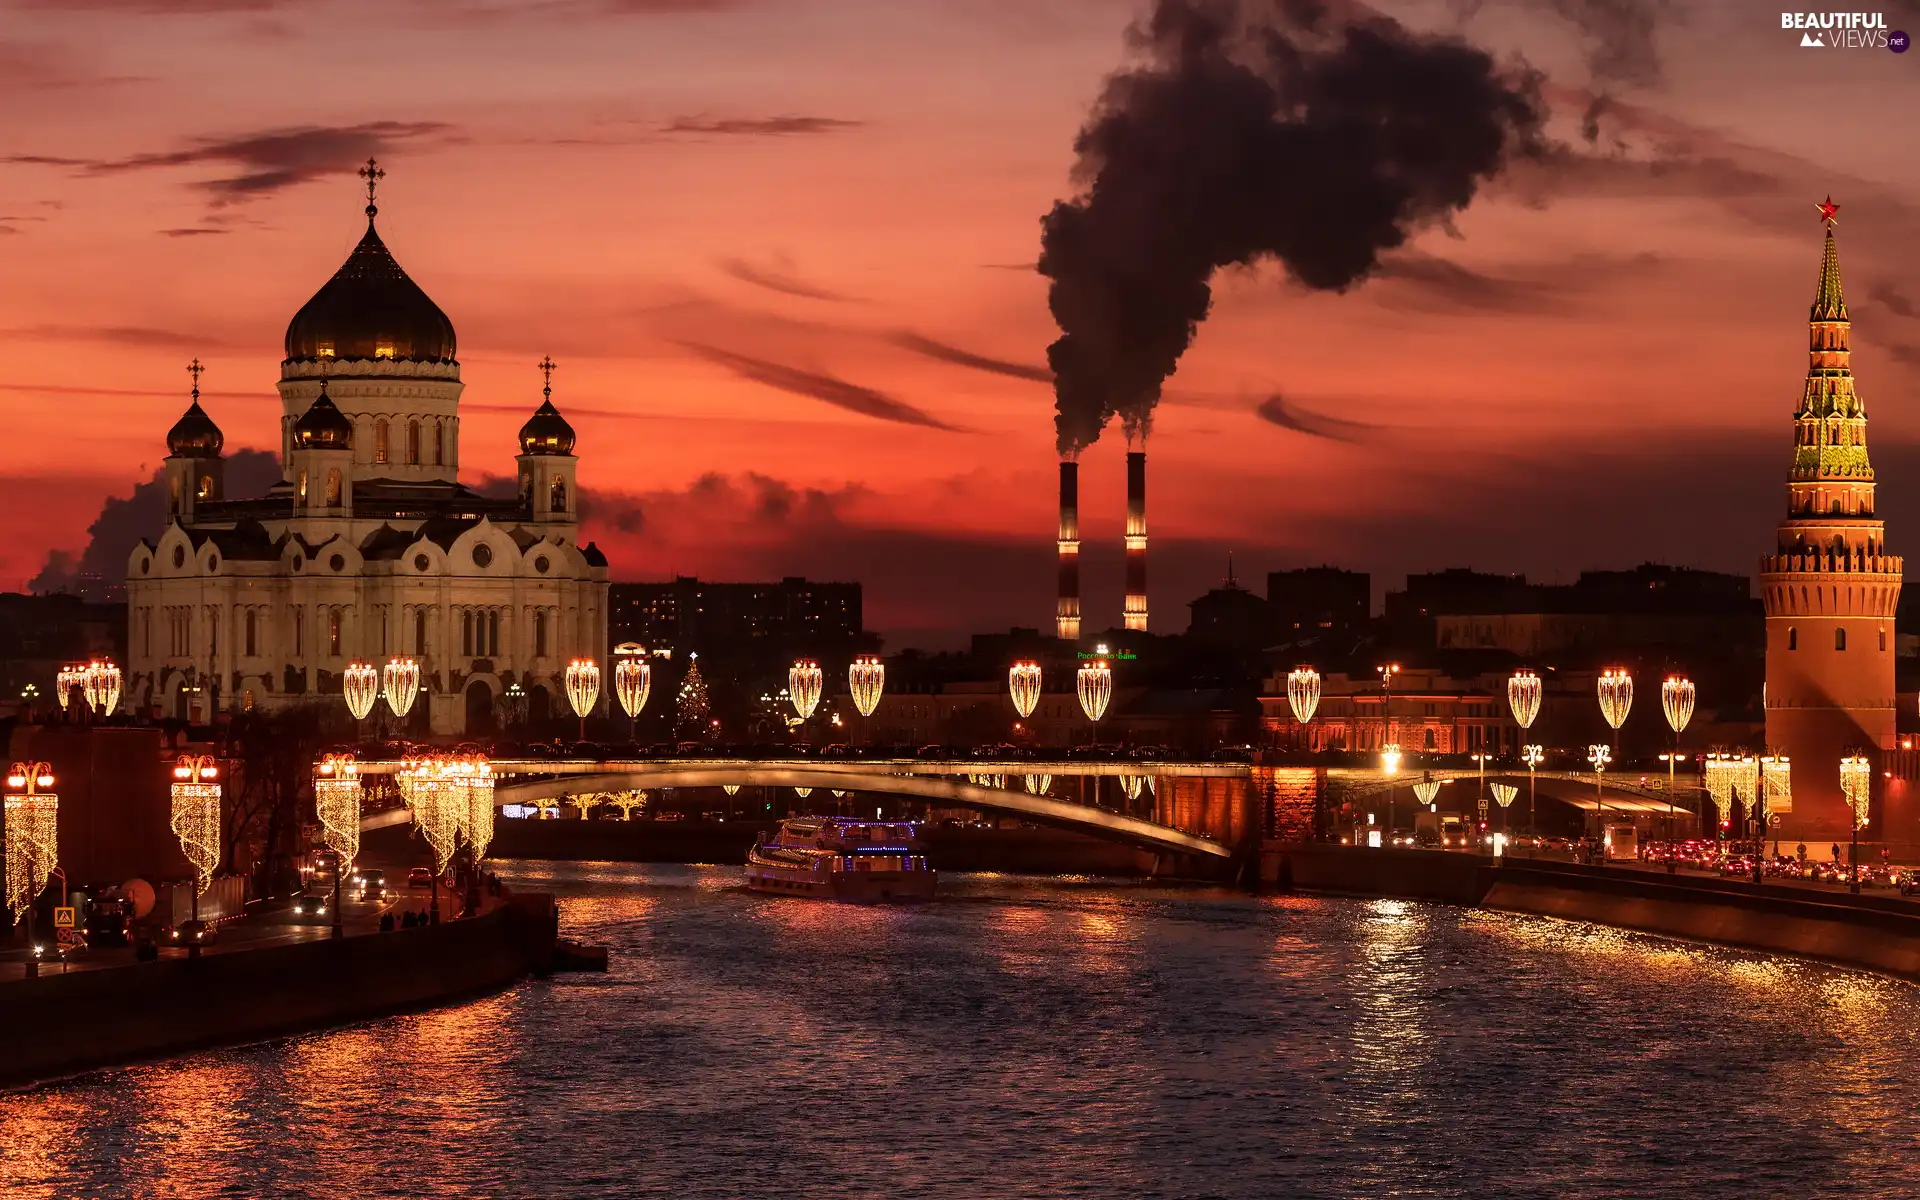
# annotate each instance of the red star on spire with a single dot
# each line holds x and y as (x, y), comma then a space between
(1827, 208)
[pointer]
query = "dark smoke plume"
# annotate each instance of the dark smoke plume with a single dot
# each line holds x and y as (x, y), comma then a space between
(1253, 130)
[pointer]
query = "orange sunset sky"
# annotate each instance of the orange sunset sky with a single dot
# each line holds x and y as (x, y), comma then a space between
(739, 227)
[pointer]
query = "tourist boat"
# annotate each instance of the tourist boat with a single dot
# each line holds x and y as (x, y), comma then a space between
(841, 858)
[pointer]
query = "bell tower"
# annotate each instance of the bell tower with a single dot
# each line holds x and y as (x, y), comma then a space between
(1830, 587)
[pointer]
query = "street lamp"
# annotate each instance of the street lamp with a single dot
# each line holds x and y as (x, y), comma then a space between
(804, 684)
(1856, 783)
(1775, 796)
(1023, 683)
(196, 822)
(583, 689)
(1676, 700)
(360, 683)
(1303, 694)
(1387, 672)
(1481, 759)
(32, 811)
(427, 783)
(1503, 794)
(1094, 685)
(68, 678)
(1616, 698)
(100, 684)
(1523, 697)
(400, 683)
(1533, 756)
(632, 683)
(866, 681)
(336, 802)
(1600, 756)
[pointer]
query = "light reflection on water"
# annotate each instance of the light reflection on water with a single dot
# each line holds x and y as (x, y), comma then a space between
(1039, 1038)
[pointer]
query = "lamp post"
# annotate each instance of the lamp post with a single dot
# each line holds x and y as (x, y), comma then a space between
(1856, 784)
(360, 684)
(1533, 756)
(100, 684)
(1481, 759)
(196, 822)
(400, 683)
(336, 802)
(804, 685)
(866, 681)
(1676, 700)
(583, 689)
(1023, 684)
(1094, 685)
(1303, 696)
(632, 683)
(32, 843)
(1387, 672)
(1600, 756)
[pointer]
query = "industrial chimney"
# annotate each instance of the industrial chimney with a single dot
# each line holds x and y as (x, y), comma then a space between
(1066, 619)
(1136, 610)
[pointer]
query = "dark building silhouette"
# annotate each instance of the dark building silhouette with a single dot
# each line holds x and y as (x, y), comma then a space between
(1232, 617)
(728, 619)
(41, 634)
(1313, 599)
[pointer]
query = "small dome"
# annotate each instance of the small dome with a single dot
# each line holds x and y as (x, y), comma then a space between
(322, 426)
(370, 309)
(546, 432)
(195, 435)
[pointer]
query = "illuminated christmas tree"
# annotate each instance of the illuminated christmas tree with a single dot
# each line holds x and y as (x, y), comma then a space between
(691, 706)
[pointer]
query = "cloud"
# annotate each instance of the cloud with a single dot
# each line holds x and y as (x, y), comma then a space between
(1885, 295)
(908, 340)
(195, 231)
(122, 335)
(778, 277)
(268, 161)
(837, 392)
(155, 8)
(1275, 410)
(759, 126)
(1423, 282)
(124, 520)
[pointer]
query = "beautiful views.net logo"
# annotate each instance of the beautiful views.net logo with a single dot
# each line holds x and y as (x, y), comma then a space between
(1845, 31)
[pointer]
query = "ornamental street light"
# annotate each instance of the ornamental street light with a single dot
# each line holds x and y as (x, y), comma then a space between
(32, 811)
(1094, 685)
(1023, 683)
(583, 689)
(1303, 694)
(1387, 672)
(65, 681)
(1523, 697)
(1775, 796)
(1481, 760)
(101, 686)
(804, 685)
(400, 683)
(866, 680)
(1533, 756)
(360, 683)
(1676, 700)
(336, 802)
(1600, 756)
(632, 684)
(1503, 794)
(1616, 699)
(196, 822)
(1856, 784)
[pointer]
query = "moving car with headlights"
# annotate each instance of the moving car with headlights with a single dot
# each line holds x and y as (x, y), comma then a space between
(310, 904)
(189, 933)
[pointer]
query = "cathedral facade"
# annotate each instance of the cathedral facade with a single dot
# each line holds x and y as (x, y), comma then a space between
(368, 548)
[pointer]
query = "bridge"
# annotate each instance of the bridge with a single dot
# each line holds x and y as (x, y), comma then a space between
(1622, 791)
(522, 781)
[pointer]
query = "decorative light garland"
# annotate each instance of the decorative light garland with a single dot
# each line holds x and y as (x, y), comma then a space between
(360, 682)
(1856, 784)
(68, 678)
(626, 802)
(1719, 770)
(583, 686)
(866, 680)
(804, 684)
(196, 814)
(101, 686)
(1038, 784)
(428, 789)
(1615, 688)
(1523, 697)
(1303, 693)
(1132, 785)
(33, 832)
(1023, 682)
(1504, 793)
(1426, 789)
(1676, 699)
(1094, 684)
(400, 683)
(803, 792)
(1776, 782)
(731, 789)
(336, 801)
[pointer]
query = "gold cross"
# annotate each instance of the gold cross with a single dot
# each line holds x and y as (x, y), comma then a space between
(546, 369)
(373, 175)
(194, 368)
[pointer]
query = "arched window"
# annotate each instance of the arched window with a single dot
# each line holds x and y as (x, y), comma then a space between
(250, 642)
(539, 634)
(1839, 639)
(1429, 738)
(206, 488)
(420, 631)
(493, 633)
(466, 633)
(1793, 638)
(302, 490)
(1883, 640)
(299, 633)
(380, 440)
(413, 443)
(439, 443)
(559, 494)
(173, 494)
(333, 487)
(333, 631)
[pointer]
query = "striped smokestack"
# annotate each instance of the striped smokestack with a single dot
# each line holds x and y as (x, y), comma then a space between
(1136, 611)
(1066, 619)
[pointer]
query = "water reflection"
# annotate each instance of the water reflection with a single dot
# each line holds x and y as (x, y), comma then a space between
(1039, 1039)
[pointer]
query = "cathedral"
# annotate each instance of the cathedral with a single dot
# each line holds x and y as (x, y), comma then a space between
(369, 547)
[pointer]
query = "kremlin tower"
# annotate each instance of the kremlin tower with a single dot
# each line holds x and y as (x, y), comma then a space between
(1830, 588)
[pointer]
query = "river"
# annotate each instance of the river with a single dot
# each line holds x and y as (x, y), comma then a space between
(1039, 1038)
